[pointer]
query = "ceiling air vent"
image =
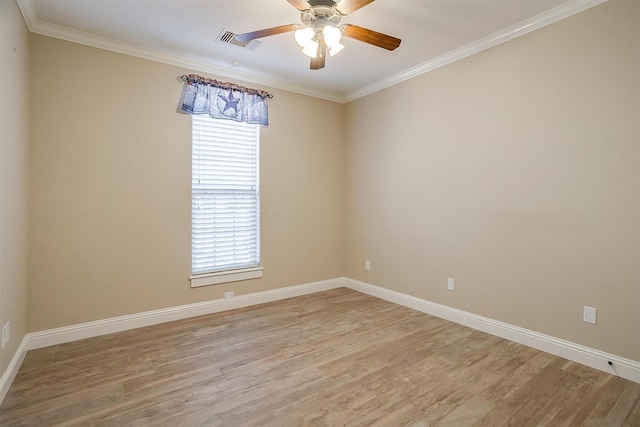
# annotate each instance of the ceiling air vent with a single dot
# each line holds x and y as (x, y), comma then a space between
(227, 36)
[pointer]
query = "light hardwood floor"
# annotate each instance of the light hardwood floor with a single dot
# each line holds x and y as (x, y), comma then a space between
(332, 358)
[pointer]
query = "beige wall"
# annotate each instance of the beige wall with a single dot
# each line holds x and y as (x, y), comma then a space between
(14, 74)
(516, 172)
(110, 195)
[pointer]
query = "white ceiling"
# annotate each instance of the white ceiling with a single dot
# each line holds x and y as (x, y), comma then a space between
(183, 32)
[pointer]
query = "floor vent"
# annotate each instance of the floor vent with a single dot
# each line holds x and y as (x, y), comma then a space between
(227, 36)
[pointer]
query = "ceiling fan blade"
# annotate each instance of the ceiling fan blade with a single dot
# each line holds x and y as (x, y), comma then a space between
(346, 7)
(246, 37)
(318, 62)
(372, 37)
(300, 4)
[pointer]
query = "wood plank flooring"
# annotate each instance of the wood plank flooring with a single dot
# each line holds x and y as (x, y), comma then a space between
(332, 358)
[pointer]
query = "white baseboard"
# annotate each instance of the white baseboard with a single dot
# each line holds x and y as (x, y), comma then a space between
(597, 359)
(12, 370)
(65, 334)
(147, 318)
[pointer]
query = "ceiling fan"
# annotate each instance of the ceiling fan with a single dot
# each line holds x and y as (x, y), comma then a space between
(320, 31)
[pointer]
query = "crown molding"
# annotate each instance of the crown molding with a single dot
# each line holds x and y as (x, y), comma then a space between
(64, 33)
(553, 15)
(565, 10)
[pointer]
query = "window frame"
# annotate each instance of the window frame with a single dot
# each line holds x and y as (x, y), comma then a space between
(231, 273)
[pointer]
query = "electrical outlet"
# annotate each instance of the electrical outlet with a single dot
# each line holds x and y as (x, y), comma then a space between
(6, 334)
(450, 284)
(228, 295)
(367, 265)
(589, 315)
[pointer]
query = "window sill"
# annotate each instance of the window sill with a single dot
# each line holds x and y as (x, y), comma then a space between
(208, 279)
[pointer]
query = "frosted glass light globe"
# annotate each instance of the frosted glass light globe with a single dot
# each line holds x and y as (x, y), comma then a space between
(311, 49)
(331, 34)
(304, 35)
(335, 48)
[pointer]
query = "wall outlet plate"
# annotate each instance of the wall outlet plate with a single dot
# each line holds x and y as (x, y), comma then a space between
(589, 315)
(228, 295)
(450, 284)
(6, 334)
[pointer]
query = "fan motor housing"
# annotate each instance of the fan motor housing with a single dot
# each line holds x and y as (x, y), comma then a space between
(319, 16)
(328, 3)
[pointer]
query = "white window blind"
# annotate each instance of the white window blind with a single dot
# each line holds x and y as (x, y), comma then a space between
(225, 196)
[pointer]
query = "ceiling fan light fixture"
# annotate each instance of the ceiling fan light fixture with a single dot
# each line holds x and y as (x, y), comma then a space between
(331, 34)
(321, 32)
(311, 49)
(304, 36)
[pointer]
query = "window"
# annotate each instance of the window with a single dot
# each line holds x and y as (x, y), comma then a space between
(225, 201)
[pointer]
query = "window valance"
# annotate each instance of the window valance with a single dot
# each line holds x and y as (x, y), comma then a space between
(225, 100)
